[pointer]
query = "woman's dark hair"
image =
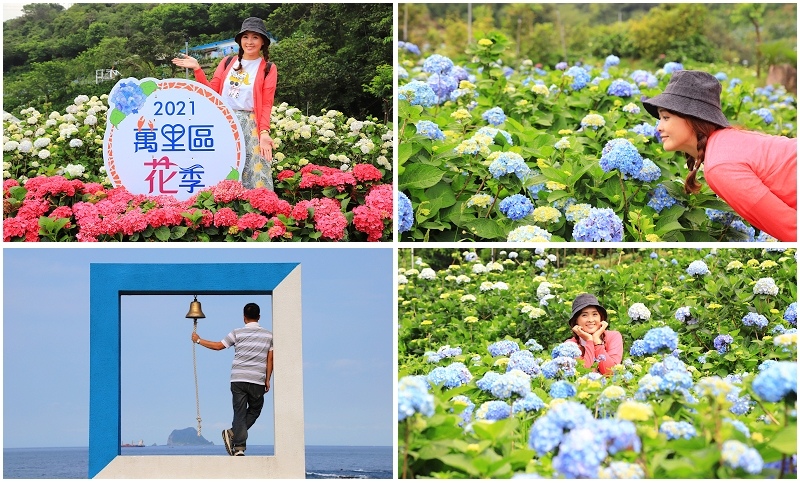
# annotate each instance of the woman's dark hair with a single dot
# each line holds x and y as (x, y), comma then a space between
(252, 311)
(703, 130)
(264, 51)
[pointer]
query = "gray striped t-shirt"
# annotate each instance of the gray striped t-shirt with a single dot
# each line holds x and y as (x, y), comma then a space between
(252, 343)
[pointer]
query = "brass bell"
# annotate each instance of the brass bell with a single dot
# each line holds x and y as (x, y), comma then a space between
(195, 311)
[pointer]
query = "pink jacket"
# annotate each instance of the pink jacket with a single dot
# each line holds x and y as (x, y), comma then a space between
(756, 174)
(263, 90)
(608, 356)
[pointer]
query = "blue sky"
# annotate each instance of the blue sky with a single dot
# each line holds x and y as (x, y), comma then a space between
(347, 347)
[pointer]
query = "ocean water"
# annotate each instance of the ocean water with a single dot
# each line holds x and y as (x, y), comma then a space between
(322, 462)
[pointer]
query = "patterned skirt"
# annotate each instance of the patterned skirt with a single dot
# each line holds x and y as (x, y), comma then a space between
(257, 171)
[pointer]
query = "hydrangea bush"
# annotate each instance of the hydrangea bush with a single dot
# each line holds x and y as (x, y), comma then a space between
(700, 393)
(332, 177)
(476, 132)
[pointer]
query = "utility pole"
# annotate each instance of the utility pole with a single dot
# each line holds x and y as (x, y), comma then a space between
(519, 33)
(469, 23)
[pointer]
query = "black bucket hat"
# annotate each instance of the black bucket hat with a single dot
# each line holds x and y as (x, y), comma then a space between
(690, 93)
(253, 24)
(581, 302)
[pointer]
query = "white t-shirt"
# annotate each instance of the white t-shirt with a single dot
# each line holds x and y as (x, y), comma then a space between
(237, 89)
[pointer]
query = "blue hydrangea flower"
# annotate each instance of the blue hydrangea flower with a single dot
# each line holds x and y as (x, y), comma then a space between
(611, 61)
(622, 88)
(429, 130)
(547, 431)
(516, 207)
(566, 349)
(408, 46)
(562, 389)
(512, 382)
(721, 76)
(618, 435)
(401, 72)
(765, 114)
(459, 73)
(719, 216)
(697, 268)
(734, 82)
(417, 93)
(565, 366)
(413, 397)
(721, 343)
(790, 315)
(776, 381)
(671, 67)
(654, 340)
(508, 163)
(561, 66)
(740, 426)
(454, 375)
(602, 224)
(621, 470)
(492, 132)
(437, 64)
(765, 286)
(128, 98)
(736, 454)
(755, 319)
(444, 352)
(645, 129)
(466, 414)
(529, 233)
(494, 116)
(531, 402)
(660, 199)
(485, 383)
(677, 430)
(644, 78)
(493, 411)
(533, 346)
(503, 348)
(622, 155)
(405, 213)
(579, 77)
(747, 233)
(525, 362)
(442, 85)
(684, 315)
(580, 454)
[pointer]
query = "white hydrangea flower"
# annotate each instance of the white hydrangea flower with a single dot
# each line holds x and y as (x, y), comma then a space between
(75, 143)
(41, 143)
(90, 120)
(74, 170)
(44, 154)
(427, 274)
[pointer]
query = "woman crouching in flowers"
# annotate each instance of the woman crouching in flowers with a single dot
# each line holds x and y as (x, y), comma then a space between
(755, 173)
(589, 321)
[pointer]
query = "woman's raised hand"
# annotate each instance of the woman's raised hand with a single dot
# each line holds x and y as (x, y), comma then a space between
(582, 333)
(597, 335)
(186, 61)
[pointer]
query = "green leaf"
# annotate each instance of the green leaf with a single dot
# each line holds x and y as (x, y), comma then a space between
(785, 440)
(178, 232)
(420, 176)
(461, 462)
(163, 233)
(233, 175)
(483, 228)
(148, 87)
(116, 117)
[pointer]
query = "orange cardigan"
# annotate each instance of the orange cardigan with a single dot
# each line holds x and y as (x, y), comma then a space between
(263, 90)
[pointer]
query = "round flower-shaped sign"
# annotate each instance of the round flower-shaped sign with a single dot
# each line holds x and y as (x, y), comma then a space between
(170, 137)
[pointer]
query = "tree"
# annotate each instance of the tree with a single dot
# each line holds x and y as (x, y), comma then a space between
(752, 13)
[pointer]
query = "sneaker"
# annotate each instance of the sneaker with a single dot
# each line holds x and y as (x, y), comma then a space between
(227, 436)
(239, 453)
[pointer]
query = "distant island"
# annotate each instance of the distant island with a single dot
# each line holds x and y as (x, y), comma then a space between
(186, 437)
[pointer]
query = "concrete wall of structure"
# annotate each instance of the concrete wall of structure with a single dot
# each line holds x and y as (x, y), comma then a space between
(110, 281)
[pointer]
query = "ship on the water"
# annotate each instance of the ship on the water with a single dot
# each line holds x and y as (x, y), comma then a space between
(132, 444)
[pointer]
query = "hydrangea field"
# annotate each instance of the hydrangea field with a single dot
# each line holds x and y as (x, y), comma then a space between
(332, 177)
(557, 153)
(489, 386)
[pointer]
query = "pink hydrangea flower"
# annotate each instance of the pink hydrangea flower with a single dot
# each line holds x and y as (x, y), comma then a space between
(252, 221)
(225, 217)
(366, 172)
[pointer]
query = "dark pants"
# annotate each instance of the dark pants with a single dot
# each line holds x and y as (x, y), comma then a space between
(248, 400)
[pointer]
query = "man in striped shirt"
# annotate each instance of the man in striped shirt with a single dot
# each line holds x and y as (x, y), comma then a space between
(250, 374)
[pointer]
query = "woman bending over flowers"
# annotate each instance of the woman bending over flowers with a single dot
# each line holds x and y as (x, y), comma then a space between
(755, 173)
(247, 84)
(589, 321)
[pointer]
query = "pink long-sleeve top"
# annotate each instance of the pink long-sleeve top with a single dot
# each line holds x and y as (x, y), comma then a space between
(756, 174)
(263, 90)
(606, 356)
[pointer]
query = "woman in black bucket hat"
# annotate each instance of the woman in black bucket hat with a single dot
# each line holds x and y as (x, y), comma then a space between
(589, 321)
(755, 173)
(247, 83)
